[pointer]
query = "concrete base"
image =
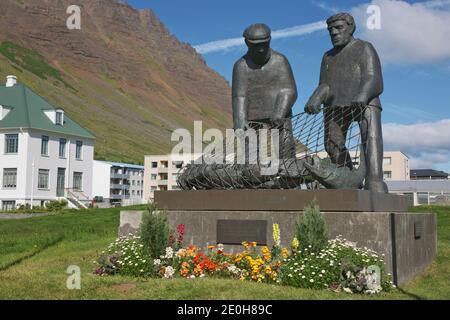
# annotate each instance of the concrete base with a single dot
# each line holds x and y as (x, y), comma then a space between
(408, 241)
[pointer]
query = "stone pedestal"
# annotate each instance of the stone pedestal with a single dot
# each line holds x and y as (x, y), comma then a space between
(407, 240)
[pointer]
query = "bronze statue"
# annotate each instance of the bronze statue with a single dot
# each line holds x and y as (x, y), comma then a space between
(264, 89)
(350, 85)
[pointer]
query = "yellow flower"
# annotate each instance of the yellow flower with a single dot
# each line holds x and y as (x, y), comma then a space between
(295, 244)
(285, 253)
(276, 234)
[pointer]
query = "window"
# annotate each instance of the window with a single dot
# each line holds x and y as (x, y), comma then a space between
(44, 145)
(78, 150)
(138, 183)
(154, 164)
(62, 147)
(59, 118)
(133, 183)
(175, 176)
(10, 178)
(8, 205)
(422, 198)
(178, 164)
(78, 181)
(154, 177)
(387, 174)
(153, 189)
(387, 161)
(11, 143)
(132, 192)
(138, 192)
(43, 179)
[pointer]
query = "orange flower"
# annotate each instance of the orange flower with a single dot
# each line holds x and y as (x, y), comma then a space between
(212, 247)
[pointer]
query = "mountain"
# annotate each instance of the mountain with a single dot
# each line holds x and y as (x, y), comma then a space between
(123, 76)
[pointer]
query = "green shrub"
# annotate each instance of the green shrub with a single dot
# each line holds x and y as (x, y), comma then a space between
(56, 205)
(155, 231)
(311, 230)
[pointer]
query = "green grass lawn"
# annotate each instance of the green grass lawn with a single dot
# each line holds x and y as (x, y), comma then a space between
(35, 254)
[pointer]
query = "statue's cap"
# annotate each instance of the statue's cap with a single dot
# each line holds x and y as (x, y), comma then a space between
(257, 33)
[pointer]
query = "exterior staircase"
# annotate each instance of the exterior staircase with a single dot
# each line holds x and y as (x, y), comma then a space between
(77, 199)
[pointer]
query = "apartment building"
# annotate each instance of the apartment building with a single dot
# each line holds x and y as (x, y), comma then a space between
(395, 164)
(118, 183)
(45, 154)
(162, 171)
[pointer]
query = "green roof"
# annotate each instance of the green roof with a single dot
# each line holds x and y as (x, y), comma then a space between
(27, 111)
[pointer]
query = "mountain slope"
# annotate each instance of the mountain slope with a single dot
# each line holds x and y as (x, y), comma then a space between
(123, 75)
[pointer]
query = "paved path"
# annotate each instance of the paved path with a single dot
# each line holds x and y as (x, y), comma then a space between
(16, 216)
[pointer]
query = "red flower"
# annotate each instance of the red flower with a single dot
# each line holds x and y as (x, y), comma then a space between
(180, 232)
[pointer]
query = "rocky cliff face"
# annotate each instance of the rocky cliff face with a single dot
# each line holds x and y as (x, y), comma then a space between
(123, 75)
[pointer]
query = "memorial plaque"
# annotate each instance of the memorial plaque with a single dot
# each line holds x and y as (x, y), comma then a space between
(234, 232)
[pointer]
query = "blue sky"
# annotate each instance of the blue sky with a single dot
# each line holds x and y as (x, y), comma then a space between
(413, 44)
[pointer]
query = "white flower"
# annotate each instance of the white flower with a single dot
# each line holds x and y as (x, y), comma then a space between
(156, 262)
(180, 253)
(303, 277)
(169, 272)
(312, 280)
(169, 253)
(220, 247)
(348, 290)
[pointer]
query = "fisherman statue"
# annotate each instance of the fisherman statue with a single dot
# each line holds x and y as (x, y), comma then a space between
(349, 88)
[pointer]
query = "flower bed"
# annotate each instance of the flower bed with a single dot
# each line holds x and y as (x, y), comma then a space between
(339, 266)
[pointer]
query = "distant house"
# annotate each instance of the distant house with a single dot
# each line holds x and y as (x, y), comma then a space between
(428, 174)
(45, 154)
(422, 192)
(118, 183)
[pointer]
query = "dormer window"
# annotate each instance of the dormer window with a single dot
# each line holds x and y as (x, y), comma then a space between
(3, 112)
(59, 118)
(56, 116)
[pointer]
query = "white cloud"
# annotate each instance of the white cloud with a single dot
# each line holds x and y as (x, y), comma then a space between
(427, 143)
(410, 33)
(223, 45)
(325, 6)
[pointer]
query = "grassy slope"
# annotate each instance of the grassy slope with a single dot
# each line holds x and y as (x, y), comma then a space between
(76, 239)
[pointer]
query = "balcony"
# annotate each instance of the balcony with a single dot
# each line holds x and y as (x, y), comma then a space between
(163, 170)
(119, 196)
(120, 186)
(119, 176)
(163, 182)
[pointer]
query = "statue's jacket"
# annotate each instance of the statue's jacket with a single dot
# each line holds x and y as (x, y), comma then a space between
(353, 70)
(263, 87)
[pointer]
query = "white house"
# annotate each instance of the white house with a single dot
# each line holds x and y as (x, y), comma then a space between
(44, 155)
(118, 183)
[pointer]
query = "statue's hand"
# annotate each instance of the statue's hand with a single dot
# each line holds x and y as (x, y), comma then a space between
(243, 125)
(360, 101)
(277, 121)
(312, 107)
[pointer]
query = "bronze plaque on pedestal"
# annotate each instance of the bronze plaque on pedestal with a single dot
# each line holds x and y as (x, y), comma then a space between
(234, 232)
